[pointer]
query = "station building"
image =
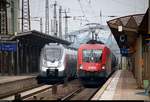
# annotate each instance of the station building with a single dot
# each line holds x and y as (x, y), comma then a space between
(133, 37)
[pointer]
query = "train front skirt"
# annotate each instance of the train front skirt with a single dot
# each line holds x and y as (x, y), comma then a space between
(50, 77)
(92, 78)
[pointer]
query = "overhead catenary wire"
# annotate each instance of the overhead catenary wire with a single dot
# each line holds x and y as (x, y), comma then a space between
(89, 3)
(83, 10)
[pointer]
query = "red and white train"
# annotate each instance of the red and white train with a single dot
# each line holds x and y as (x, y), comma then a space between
(95, 62)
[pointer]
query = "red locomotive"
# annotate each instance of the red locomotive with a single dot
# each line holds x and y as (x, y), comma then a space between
(95, 62)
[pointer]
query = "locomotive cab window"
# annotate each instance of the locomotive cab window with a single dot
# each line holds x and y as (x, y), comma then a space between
(92, 55)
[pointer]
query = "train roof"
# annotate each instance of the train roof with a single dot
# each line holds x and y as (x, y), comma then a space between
(94, 42)
(88, 46)
(59, 45)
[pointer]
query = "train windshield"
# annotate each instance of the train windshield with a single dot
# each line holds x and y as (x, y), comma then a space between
(92, 55)
(53, 54)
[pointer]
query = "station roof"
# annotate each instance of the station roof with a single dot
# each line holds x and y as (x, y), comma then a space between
(143, 28)
(38, 37)
(5, 37)
(131, 25)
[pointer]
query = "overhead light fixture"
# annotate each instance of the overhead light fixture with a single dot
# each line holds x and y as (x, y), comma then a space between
(119, 28)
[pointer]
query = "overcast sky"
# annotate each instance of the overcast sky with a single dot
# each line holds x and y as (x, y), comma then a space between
(88, 8)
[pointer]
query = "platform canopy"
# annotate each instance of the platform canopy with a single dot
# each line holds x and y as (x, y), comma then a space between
(126, 29)
(36, 37)
(144, 27)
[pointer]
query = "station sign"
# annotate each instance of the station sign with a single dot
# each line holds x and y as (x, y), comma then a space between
(123, 38)
(124, 51)
(147, 42)
(8, 47)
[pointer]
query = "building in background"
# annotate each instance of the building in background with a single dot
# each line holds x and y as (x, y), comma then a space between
(13, 16)
(9, 26)
(9, 16)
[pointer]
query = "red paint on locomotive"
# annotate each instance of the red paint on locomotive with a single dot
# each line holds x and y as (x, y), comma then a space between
(94, 58)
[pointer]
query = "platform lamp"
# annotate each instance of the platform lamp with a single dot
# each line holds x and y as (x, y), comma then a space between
(120, 30)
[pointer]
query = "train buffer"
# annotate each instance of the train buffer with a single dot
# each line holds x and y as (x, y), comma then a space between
(121, 86)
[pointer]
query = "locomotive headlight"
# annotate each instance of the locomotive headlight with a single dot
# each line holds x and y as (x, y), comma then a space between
(103, 67)
(43, 69)
(81, 67)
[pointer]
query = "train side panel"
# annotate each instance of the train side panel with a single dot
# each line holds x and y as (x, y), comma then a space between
(71, 63)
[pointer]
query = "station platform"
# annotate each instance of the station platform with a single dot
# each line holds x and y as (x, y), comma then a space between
(121, 86)
(6, 79)
(12, 84)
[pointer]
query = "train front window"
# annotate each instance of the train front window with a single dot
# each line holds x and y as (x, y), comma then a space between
(53, 54)
(92, 55)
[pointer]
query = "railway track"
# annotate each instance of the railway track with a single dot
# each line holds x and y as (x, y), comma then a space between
(73, 90)
(57, 92)
(72, 94)
(40, 92)
(81, 94)
(24, 94)
(16, 85)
